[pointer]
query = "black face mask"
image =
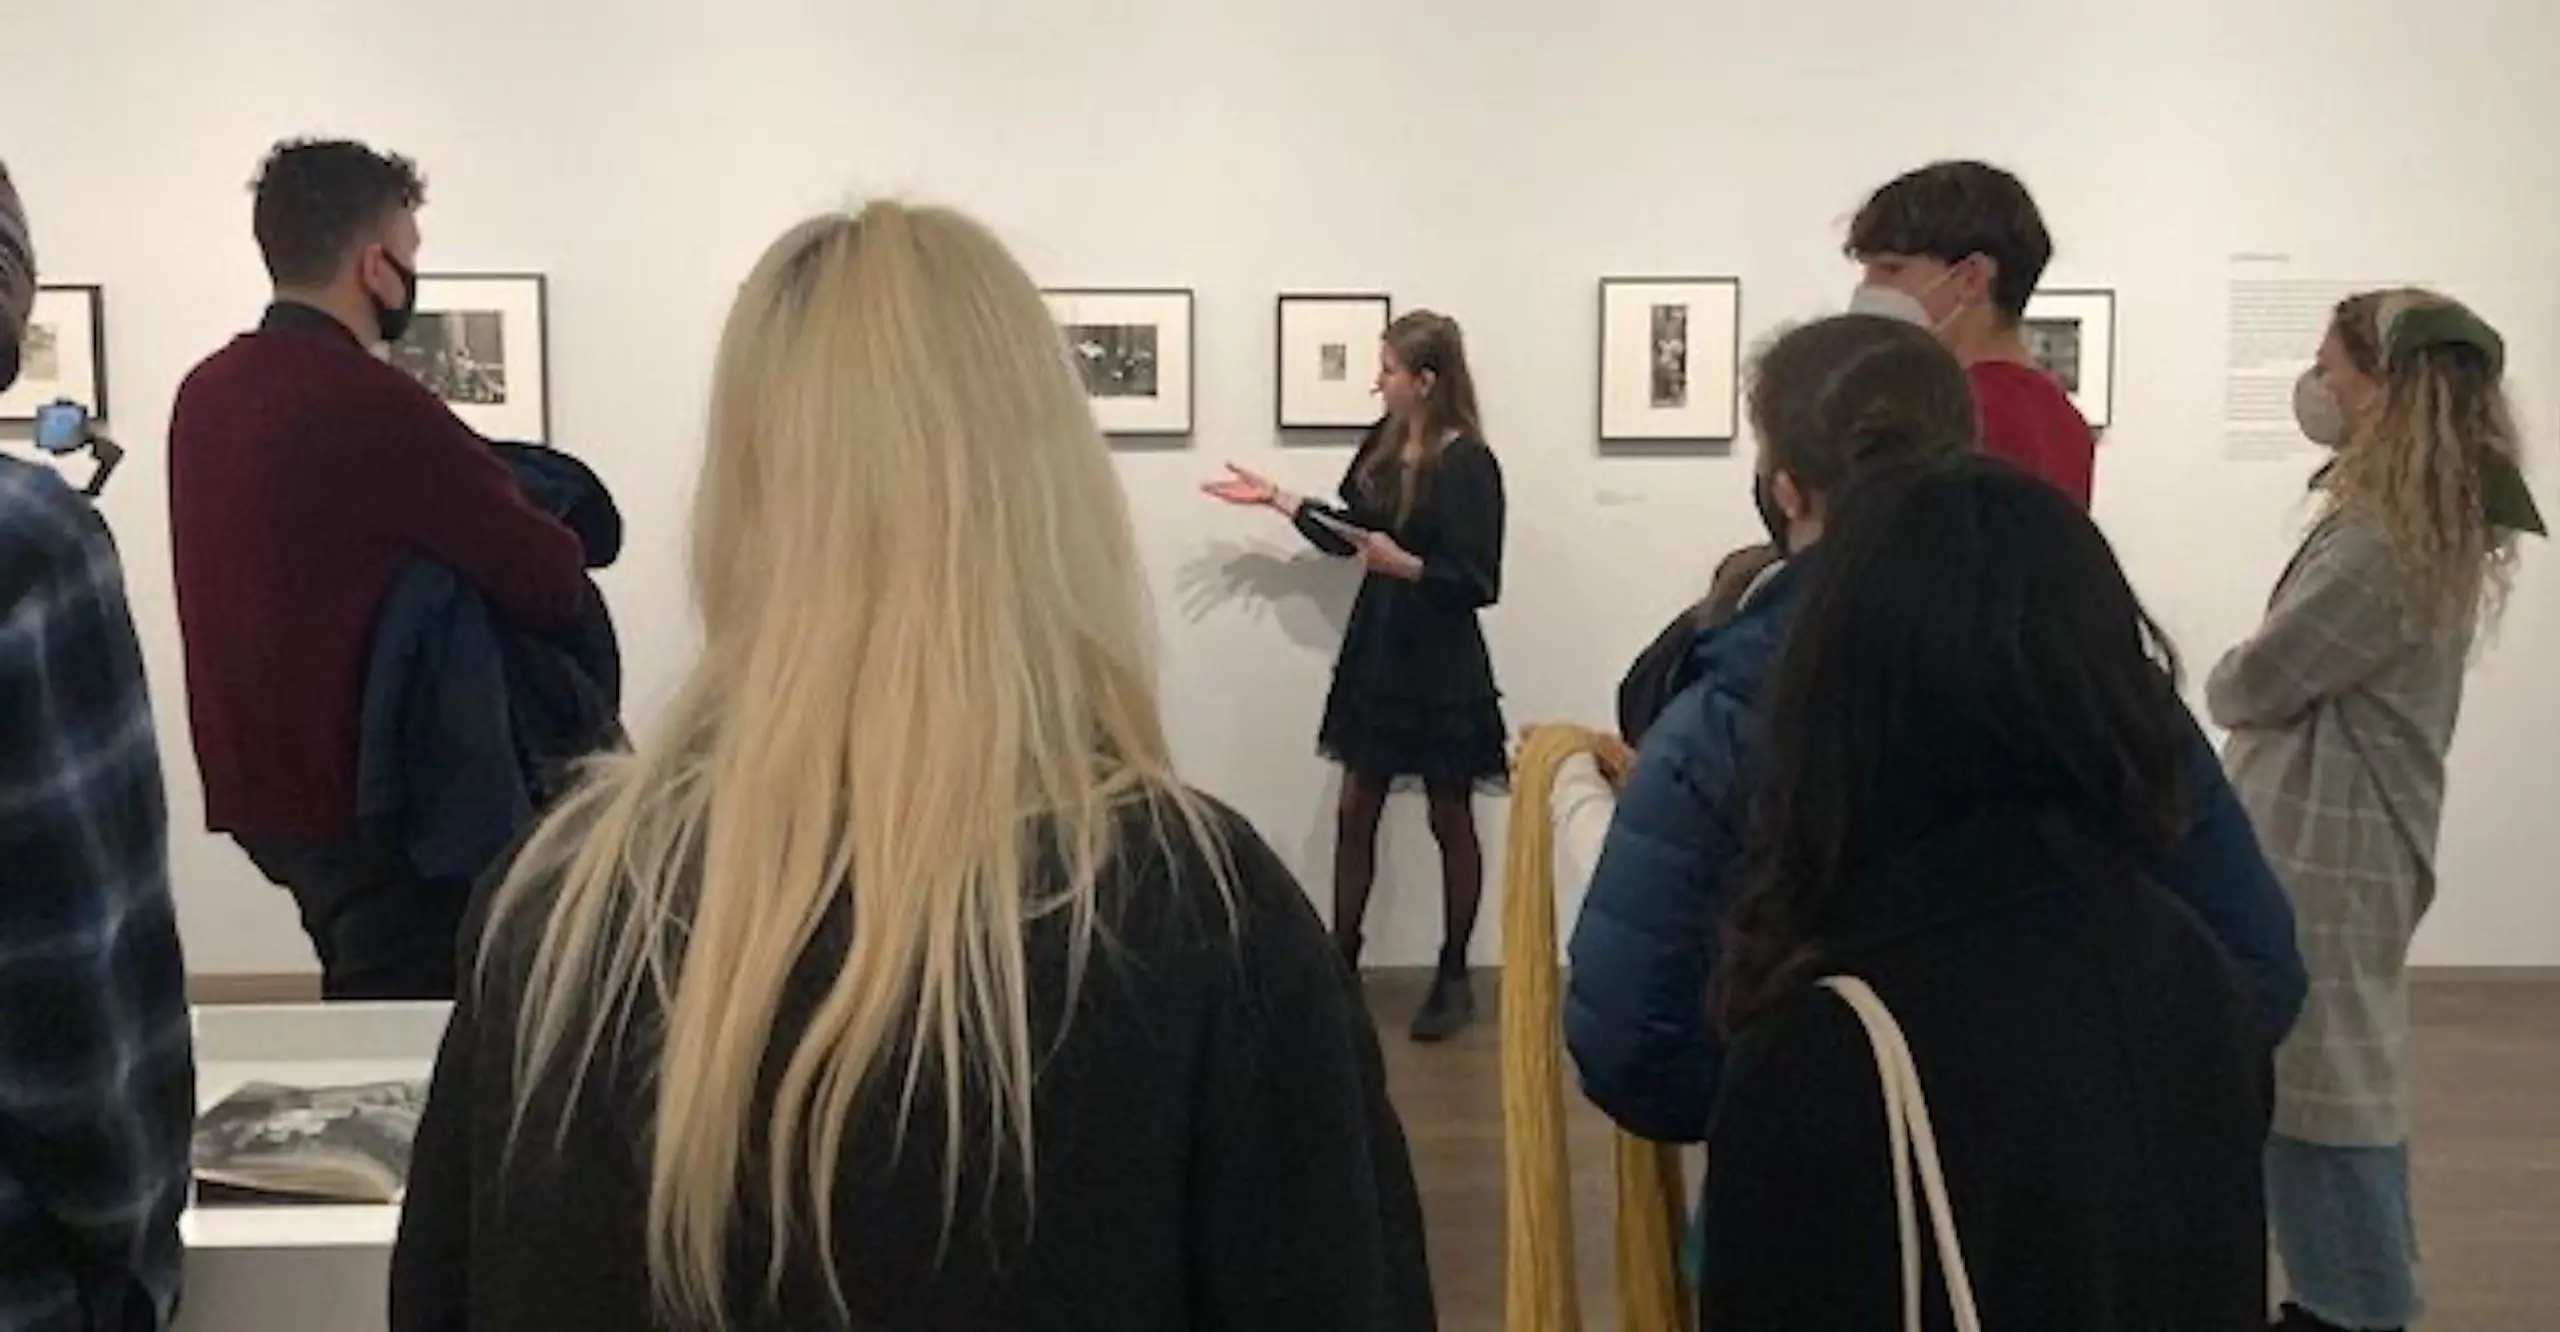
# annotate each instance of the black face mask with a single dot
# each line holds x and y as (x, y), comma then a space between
(395, 321)
(9, 355)
(1764, 497)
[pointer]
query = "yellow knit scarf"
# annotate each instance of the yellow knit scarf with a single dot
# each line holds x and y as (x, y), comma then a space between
(1539, 1291)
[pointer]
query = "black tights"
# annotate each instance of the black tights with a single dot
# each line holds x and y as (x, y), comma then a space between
(1355, 860)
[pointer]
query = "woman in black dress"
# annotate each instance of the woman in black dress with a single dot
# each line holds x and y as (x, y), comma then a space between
(1413, 698)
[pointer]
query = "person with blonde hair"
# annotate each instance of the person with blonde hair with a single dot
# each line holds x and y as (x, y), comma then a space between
(895, 981)
(2342, 708)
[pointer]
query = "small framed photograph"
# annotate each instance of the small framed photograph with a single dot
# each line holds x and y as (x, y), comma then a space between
(1134, 349)
(1670, 359)
(2072, 334)
(481, 342)
(64, 354)
(1328, 358)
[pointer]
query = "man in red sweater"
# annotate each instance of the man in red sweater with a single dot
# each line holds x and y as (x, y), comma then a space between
(303, 474)
(1958, 247)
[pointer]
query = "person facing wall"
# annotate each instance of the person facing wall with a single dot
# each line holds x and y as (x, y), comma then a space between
(2341, 709)
(1957, 248)
(934, 997)
(1413, 696)
(97, 1069)
(1976, 755)
(304, 474)
(1830, 401)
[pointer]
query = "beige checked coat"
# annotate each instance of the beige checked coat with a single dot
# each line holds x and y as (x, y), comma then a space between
(2340, 715)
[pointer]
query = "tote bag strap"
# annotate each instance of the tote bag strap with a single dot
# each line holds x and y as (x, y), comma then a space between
(1912, 1140)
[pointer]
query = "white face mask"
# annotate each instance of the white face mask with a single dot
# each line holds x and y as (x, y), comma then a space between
(1875, 298)
(1888, 303)
(2317, 410)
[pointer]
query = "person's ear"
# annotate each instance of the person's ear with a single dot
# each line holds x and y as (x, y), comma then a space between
(373, 268)
(1792, 499)
(1426, 380)
(1979, 278)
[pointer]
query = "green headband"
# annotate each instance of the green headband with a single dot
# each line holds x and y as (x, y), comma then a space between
(2419, 327)
(2505, 500)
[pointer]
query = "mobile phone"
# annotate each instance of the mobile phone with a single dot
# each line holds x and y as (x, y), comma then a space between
(62, 427)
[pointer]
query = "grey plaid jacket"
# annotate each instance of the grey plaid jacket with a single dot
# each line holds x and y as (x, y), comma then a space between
(2341, 713)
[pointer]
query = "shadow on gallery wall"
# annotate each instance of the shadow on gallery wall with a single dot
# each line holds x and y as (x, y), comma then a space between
(1309, 595)
(1667, 448)
(1149, 443)
(1327, 437)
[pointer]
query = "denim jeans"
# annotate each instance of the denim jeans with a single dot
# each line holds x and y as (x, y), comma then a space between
(2342, 1223)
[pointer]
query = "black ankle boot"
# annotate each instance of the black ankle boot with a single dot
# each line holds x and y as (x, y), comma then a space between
(1451, 1004)
(2297, 1319)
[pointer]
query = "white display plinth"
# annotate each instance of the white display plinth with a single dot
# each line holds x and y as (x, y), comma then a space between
(311, 1269)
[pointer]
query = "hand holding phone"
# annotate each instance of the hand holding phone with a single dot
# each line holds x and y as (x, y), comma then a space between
(64, 427)
(61, 427)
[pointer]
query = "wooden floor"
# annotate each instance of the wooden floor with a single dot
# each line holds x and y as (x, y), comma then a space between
(2488, 1158)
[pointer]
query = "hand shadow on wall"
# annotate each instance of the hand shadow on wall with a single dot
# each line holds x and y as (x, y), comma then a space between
(1309, 594)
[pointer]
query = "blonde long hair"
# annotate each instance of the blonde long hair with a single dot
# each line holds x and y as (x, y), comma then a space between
(2416, 468)
(926, 659)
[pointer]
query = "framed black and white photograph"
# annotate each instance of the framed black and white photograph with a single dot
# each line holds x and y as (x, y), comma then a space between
(1669, 359)
(2072, 334)
(1134, 349)
(1328, 358)
(481, 342)
(64, 354)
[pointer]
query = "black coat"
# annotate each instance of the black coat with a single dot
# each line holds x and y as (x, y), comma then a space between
(1215, 1149)
(470, 724)
(2099, 1083)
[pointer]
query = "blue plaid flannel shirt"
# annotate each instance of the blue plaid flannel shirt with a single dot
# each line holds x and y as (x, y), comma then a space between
(97, 1073)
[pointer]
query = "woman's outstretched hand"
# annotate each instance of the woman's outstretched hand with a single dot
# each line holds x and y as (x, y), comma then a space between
(1241, 487)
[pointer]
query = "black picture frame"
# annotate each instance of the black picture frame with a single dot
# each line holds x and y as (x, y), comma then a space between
(2087, 306)
(94, 296)
(1620, 441)
(1190, 378)
(1282, 305)
(536, 287)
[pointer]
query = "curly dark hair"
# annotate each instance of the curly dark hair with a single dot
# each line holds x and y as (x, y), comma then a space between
(318, 199)
(1968, 643)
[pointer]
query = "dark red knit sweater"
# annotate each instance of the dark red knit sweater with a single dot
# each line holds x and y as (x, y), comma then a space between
(303, 474)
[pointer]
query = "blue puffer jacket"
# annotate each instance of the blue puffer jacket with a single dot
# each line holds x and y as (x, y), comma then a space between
(1643, 955)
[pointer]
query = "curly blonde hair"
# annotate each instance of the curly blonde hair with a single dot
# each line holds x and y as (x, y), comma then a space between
(2415, 468)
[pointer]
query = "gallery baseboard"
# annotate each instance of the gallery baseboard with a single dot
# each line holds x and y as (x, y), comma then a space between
(290, 987)
(253, 987)
(2484, 975)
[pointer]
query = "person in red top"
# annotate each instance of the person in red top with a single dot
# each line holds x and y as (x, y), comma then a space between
(1957, 248)
(303, 474)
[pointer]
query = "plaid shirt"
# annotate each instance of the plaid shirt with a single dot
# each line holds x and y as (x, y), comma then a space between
(97, 1076)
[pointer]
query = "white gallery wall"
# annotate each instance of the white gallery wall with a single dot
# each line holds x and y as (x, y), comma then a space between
(1492, 158)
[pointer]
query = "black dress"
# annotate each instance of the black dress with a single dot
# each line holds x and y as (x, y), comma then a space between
(1413, 697)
